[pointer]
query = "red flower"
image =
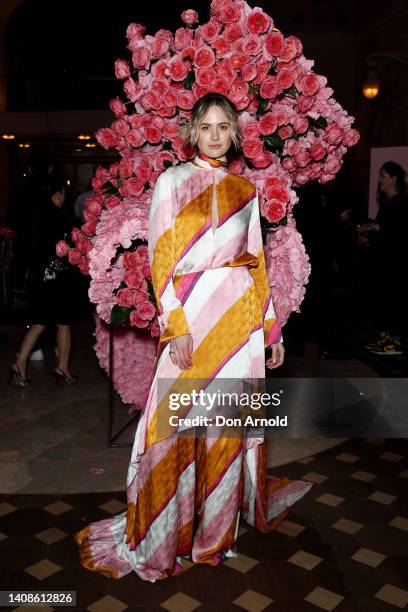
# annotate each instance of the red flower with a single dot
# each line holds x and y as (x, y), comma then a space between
(111, 202)
(308, 84)
(89, 228)
(134, 278)
(146, 310)
(274, 43)
(186, 99)
(317, 151)
(117, 107)
(122, 70)
(268, 124)
(278, 193)
(177, 68)
(152, 134)
(285, 131)
(284, 78)
(252, 129)
(132, 90)
(132, 259)
(210, 30)
(230, 12)
(106, 138)
(300, 125)
(351, 138)
(204, 57)
(251, 45)
(205, 76)
(269, 88)
(74, 256)
(137, 321)
(274, 211)
(189, 16)
(62, 248)
(263, 160)
(125, 298)
(258, 22)
(135, 138)
(252, 147)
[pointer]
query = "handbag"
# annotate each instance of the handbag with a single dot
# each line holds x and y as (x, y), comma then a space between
(55, 266)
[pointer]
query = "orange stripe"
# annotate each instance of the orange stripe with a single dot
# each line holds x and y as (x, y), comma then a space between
(86, 557)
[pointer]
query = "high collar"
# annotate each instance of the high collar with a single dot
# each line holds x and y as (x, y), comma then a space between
(203, 161)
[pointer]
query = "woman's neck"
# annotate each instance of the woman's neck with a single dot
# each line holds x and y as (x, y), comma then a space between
(391, 192)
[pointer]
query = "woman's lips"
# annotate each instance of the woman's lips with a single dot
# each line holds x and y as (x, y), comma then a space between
(214, 146)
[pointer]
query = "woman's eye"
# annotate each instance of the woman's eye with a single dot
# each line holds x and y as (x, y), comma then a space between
(224, 127)
(204, 128)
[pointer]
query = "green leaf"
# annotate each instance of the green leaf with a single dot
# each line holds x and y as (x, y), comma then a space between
(119, 315)
(167, 145)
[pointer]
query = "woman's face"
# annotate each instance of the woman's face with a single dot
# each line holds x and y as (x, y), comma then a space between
(214, 133)
(386, 181)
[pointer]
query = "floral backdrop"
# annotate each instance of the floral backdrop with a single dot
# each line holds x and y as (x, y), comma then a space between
(292, 131)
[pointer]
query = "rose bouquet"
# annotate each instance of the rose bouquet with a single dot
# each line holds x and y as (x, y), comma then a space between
(292, 131)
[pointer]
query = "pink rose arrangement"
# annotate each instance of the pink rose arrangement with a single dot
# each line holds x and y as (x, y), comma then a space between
(291, 131)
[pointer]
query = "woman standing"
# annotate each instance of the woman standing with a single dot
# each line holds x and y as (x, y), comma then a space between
(52, 287)
(216, 316)
(387, 239)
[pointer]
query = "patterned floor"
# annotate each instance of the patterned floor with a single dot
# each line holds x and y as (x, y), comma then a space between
(344, 547)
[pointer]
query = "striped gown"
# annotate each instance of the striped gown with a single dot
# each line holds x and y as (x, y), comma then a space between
(186, 494)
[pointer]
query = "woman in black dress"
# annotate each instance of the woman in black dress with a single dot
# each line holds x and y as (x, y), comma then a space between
(51, 285)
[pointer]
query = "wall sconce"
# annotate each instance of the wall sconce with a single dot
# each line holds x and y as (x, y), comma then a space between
(24, 145)
(8, 136)
(90, 145)
(371, 84)
(84, 137)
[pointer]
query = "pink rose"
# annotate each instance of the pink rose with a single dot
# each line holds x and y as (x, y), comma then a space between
(292, 48)
(125, 167)
(332, 165)
(84, 245)
(139, 297)
(204, 57)
(221, 46)
(262, 69)
(143, 252)
(269, 88)
(159, 69)
(89, 228)
(132, 259)
(205, 76)
(151, 99)
(93, 207)
(268, 124)
(117, 107)
(274, 43)
(125, 298)
(252, 129)
(106, 138)
(251, 45)
(159, 47)
(238, 88)
(300, 125)
(132, 90)
(135, 138)
(210, 30)
(230, 12)
(132, 187)
(122, 69)
(111, 202)
(84, 266)
(277, 192)
(186, 99)
(317, 151)
(285, 131)
(142, 170)
(121, 127)
(238, 59)
(308, 84)
(274, 211)
(189, 16)
(141, 58)
(171, 130)
(183, 38)
(232, 33)
(252, 147)
(188, 54)
(351, 138)
(146, 310)
(249, 72)
(134, 278)
(292, 147)
(302, 158)
(61, 248)
(74, 256)
(333, 134)
(305, 103)
(169, 97)
(147, 273)
(258, 22)
(137, 321)
(284, 78)
(263, 160)
(135, 30)
(152, 134)
(177, 68)
(288, 164)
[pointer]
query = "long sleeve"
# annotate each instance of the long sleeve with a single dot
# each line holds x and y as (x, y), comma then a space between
(172, 319)
(272, 328)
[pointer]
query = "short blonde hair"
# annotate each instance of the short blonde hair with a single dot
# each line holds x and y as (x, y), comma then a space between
(201, 107)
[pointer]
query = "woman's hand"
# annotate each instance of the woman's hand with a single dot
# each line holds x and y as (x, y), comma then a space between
(277, 357)
(181, 351)
(369, 226)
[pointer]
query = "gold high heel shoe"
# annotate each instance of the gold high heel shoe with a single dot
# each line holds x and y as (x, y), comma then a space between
(64, 378)
(19, 379)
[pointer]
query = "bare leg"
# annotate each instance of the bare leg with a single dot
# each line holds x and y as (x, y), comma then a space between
(64, 348)
(27, 346)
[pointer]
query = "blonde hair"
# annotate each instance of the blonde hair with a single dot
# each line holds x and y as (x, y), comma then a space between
(201, 107)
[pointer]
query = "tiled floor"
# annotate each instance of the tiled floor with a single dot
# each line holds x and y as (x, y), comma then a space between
(343, 547)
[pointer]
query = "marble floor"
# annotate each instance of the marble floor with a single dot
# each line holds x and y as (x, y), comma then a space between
(54, 438)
